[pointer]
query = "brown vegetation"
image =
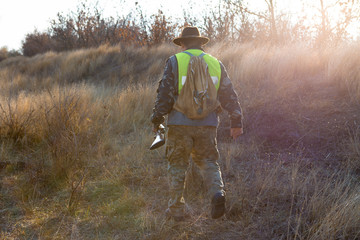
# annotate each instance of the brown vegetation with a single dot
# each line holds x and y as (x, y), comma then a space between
(5, 53)
(79, 121)
(230, 21)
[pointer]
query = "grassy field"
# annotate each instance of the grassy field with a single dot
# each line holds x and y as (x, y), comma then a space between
(75, 132)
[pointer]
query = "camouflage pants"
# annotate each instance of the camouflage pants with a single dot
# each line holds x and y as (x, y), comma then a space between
(200, 143)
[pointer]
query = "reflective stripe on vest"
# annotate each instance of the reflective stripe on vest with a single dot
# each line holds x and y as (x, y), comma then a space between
(183, 60)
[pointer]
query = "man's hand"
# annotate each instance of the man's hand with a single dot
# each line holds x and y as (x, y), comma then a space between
(155, 128)
(236, 132)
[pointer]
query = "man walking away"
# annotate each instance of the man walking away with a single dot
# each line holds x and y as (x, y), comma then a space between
(196, 137)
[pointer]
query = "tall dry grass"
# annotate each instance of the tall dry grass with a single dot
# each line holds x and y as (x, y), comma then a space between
(80, 123)
(107, 65)
(299, 200)
(271, 70)
(343, 70)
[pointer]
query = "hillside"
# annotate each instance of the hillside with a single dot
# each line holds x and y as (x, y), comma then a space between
(75, 132)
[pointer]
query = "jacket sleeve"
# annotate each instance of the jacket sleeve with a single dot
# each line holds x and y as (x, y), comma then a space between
(165, 94)
(229, 99)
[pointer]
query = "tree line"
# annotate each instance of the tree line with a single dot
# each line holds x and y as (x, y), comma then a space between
(231, 21)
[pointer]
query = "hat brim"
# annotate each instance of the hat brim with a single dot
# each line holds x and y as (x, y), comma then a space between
(204, 40)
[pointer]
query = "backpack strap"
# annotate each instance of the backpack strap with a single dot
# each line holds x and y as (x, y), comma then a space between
(191, 55)
(202, 55)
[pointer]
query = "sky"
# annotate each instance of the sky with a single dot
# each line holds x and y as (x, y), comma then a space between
(19, 17)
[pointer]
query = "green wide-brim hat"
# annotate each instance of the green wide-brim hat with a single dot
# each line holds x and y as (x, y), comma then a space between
(190, 33)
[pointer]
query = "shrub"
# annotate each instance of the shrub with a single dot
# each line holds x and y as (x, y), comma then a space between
(36, 43)
(3, 53)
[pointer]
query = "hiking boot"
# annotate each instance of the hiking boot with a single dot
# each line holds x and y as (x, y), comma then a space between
(176, 218)
(218, 205)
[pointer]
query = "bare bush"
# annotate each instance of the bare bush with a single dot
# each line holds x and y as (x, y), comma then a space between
(3, 53)
(85, 28)
(161, 29)
(16, 118)
(36, 43)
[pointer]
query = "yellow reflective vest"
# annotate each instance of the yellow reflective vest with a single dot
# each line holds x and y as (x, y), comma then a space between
(183, 60)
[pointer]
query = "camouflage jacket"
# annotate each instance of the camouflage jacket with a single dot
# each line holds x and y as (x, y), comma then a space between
(168, 90)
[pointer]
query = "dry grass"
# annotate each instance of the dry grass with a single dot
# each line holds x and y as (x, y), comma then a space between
(80, 123)
(111, 66)
(343, 70)
(351, 150)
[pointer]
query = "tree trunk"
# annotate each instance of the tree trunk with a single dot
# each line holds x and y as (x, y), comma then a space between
(323, 35)
(273, 28)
